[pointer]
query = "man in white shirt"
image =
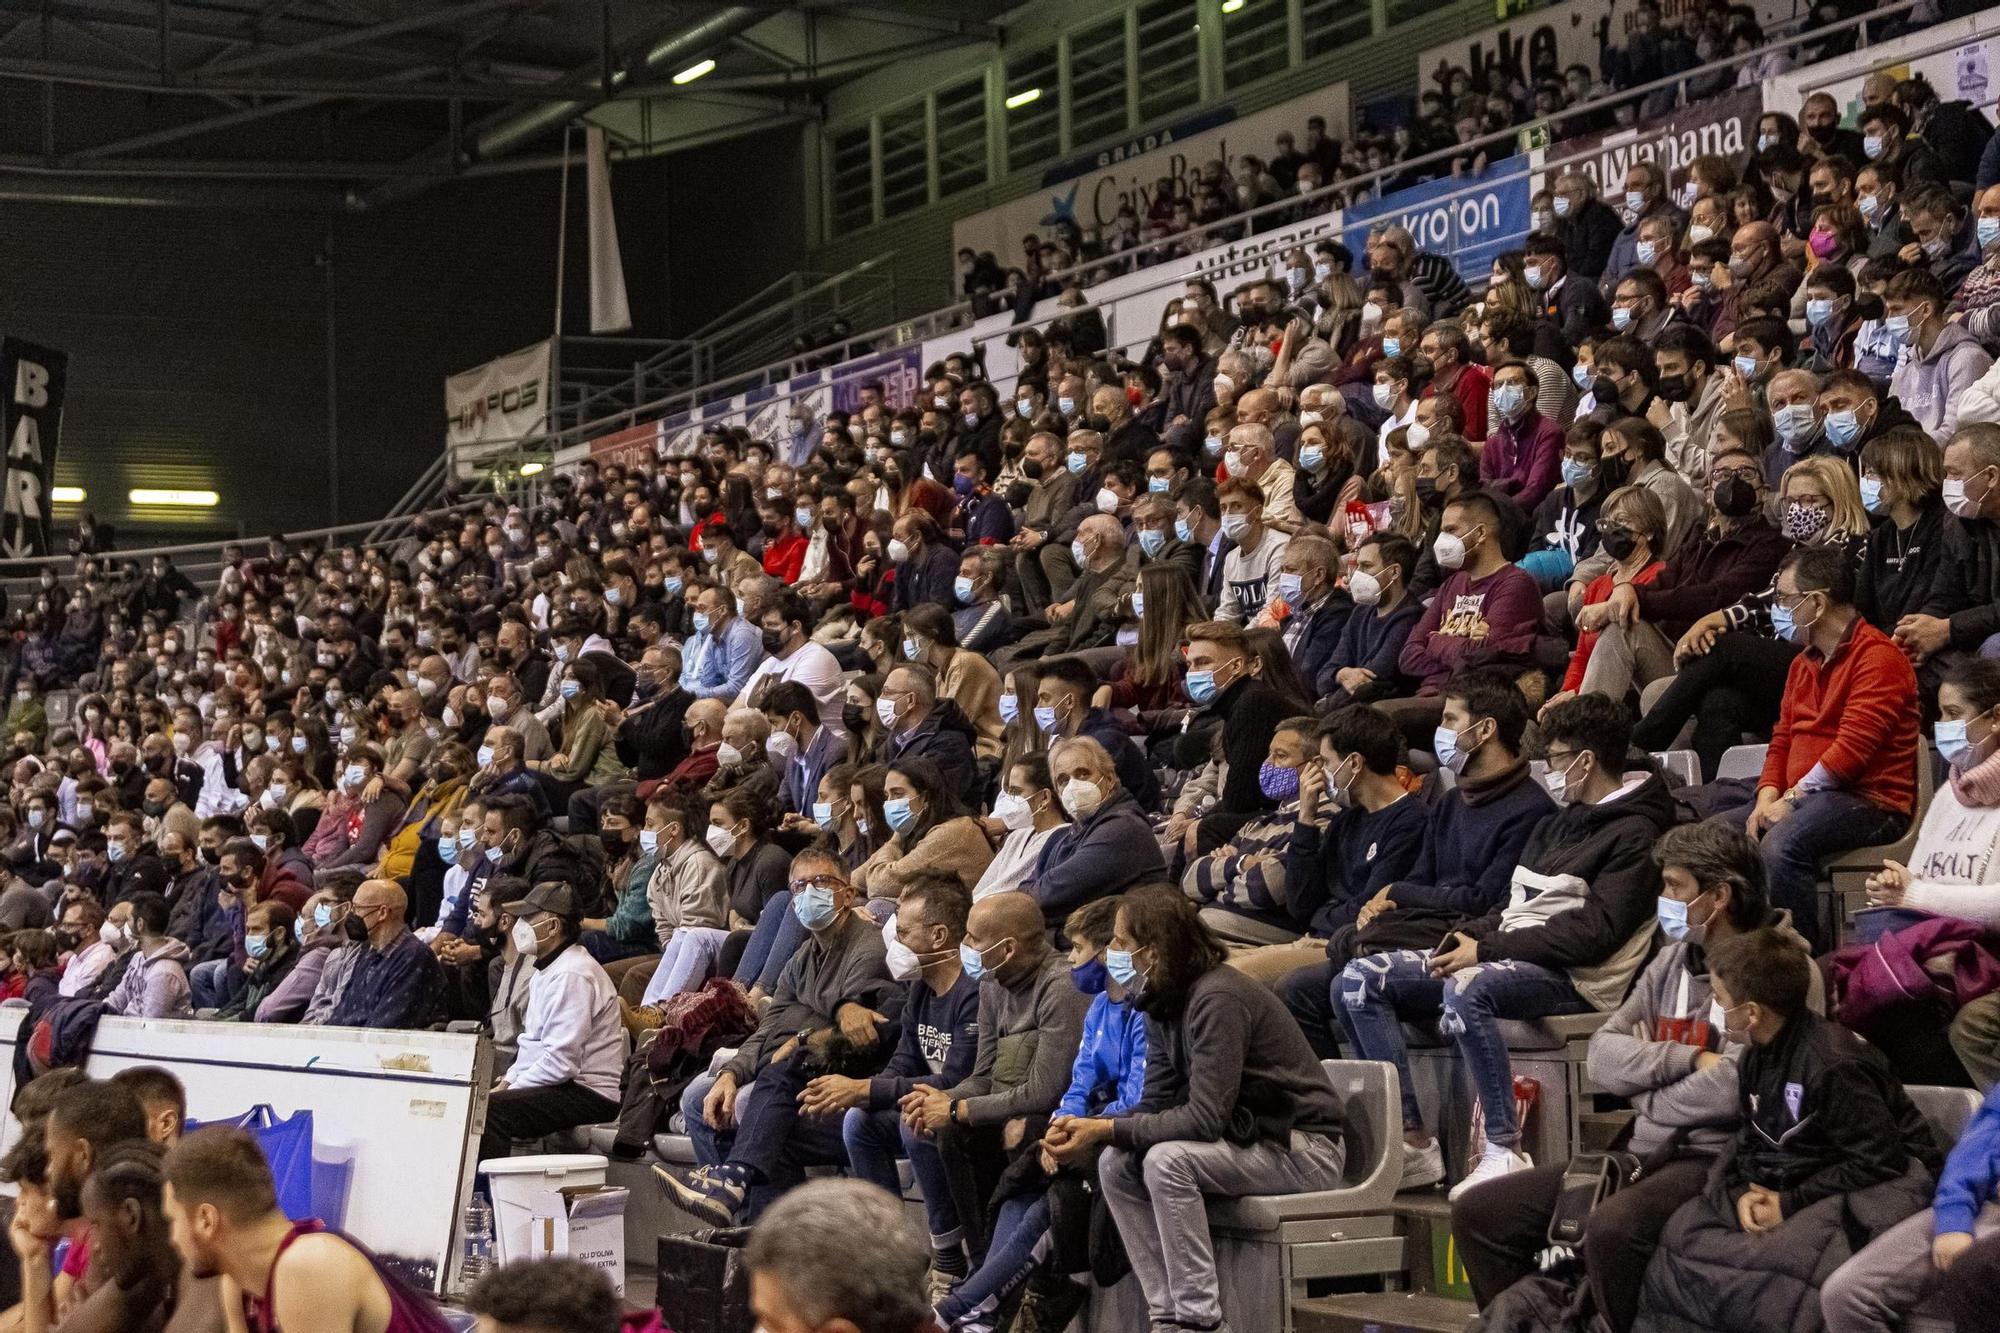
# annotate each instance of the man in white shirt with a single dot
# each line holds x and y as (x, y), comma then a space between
(572, 1045)
(790, 654)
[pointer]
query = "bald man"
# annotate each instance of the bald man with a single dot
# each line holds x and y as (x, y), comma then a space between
(1027, 1002)
(396, 982)
(1755, 260)
(1253, 455)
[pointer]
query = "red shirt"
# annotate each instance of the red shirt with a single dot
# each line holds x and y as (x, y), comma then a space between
(784, 557)
(1856, 713)
(1471, 388)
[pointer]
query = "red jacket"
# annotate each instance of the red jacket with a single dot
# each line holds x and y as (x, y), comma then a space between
(784, 557)
(1856, 713)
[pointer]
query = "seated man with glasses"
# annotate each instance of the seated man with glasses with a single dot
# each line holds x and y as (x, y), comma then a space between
(1841, 770)
(835, 1011)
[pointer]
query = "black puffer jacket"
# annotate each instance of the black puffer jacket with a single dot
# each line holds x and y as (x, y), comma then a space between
(1827, 1126)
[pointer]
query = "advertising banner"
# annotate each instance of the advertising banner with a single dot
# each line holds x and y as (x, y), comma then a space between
(1089, 188)
(629, 448)
(1724, 124)
(36, 378)
(1471, 218)
(490, 407)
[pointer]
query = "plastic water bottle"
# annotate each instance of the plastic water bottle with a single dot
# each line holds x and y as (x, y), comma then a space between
(478, 1240)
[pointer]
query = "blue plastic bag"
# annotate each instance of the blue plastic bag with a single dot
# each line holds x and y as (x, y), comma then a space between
(288, 1147)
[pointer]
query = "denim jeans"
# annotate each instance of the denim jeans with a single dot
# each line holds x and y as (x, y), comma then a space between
(1022, 1243)
(875, 1139)
(711, 1146)
(776, 938)
(1823, 823)
(774, 1142)
(208, 984)
(687, 962)
(1378, 992)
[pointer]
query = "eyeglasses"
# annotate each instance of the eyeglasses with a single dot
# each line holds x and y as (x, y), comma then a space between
(1749, 474)
(818, 882)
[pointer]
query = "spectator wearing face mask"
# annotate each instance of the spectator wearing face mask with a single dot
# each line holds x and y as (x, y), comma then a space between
(135, 865)
(1941, 361)
(1569, 301)
(1664, 1048)
(1523, 452)
(155, 983)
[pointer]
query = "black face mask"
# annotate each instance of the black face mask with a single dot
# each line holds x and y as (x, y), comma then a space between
(1100, 424)
(1674, 388)
(1613, 472)
(1619, 544)
(353, 929)
(155, 808)
(212, 855)
(1031, 468)
(1427, 491)
(1604, 391)
(855, 719)
(773, 641)
(1735, 497)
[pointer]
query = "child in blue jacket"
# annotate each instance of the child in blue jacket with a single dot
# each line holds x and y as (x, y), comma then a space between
(1950, 1250)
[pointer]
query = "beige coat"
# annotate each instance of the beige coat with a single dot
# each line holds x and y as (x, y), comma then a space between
(955, 847)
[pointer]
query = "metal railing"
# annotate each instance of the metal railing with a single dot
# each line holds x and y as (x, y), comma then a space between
(633, 402)
(1367, 186)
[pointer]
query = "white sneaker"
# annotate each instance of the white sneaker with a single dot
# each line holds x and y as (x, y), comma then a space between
(1421, 1166)
(1494, 1163)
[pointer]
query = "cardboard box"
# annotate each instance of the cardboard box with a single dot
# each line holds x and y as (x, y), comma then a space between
(587, 1225)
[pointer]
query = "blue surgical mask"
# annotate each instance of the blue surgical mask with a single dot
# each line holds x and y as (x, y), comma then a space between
(1896, 326)
(1118, 962)
(256, 945)
(1844, 428)
(1621, 318)
(1010, 706)
(1213, 445)
(1152, 542)
(466, 837)
(1077, 463)
(323, 915)
(898, 812)
(1201, 686)
(1291, 587)
(701, 622)
(813, 906)
(1182, 530)
(1066, 406)
(353, 776)
(969, 958)
(1951, 741)
(1746, 366)
(485, 755)
(262, 841)
(961, 588)
(1091, 977)
(1045, 718)
(1576, 471)
(1784, 623)
(1508, 398)
(1988, 230)
(1819, 310)
(493, 854)
(1871, 491)
(1159, 485)
(1580, 373)
(1444, 741)
(823, 814)
(1311, 457)
(649, 840)
(568, 689)
(675, 584)
(1392, 347)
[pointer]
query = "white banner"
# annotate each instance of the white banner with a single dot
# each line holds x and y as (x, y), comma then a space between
(1090, 187)
(1957, 57)
(1548, 40)
(488, 408)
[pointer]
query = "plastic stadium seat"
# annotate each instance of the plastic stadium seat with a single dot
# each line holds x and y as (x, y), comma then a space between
(1741, 761)
(1682, 764)
(1268, 1246)
(1848, 872)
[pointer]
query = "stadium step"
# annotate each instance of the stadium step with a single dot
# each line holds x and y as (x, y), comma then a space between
(1382, 1312)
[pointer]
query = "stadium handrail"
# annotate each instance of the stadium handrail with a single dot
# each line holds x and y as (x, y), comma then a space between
(541, 445)
(915, 328)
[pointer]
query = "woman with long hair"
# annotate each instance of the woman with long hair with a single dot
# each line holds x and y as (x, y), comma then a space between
(1235, 1103)
(1148, 678)
(930, 832)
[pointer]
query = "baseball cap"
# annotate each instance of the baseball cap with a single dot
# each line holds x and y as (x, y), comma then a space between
(551, 896)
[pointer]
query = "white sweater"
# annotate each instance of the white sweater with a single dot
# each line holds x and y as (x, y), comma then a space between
(1954, 870)
(571, 1032)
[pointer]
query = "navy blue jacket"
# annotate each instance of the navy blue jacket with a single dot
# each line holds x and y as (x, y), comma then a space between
(1108, 853)
(1331, 872)
(1321, 635)
(1476, 837)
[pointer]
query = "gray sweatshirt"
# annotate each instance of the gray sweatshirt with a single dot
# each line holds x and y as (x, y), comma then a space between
(1028, 1035)
(848, 962)
(1647, 1048)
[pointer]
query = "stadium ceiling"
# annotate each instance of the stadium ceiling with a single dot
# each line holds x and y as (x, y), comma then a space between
(359, 103)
